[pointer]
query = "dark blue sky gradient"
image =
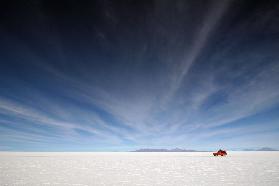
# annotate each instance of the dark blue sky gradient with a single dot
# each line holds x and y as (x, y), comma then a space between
(121, 75)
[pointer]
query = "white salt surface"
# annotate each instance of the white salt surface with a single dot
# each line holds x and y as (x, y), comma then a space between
(170, 169)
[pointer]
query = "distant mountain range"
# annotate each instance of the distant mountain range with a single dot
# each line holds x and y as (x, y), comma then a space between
(165, 150)
(190, 150)
(261, 149)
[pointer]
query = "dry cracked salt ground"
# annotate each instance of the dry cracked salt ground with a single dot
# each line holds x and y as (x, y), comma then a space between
(171, 169)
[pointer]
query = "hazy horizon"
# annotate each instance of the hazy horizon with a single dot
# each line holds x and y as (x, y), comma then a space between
(259, 149)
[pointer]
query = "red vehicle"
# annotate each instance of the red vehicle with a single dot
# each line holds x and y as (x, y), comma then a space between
(220, 153)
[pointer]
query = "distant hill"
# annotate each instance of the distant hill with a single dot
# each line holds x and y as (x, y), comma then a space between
(261, 149)
(191, 150)
(266, 149)
(165, 150)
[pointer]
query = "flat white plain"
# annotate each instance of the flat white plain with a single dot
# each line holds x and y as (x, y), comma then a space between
(135, 168)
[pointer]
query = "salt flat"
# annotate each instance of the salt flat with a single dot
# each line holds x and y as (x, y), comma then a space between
(134, 168)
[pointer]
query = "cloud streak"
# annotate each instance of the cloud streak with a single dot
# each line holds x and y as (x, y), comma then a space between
(175, 74)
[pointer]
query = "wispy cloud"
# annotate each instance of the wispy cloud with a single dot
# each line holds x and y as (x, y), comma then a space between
(185, 77)
(210, 22)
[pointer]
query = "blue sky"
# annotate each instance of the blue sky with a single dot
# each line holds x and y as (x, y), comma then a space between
(118, 76)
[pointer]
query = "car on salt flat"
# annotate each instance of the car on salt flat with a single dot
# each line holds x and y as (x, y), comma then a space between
(220, 153)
